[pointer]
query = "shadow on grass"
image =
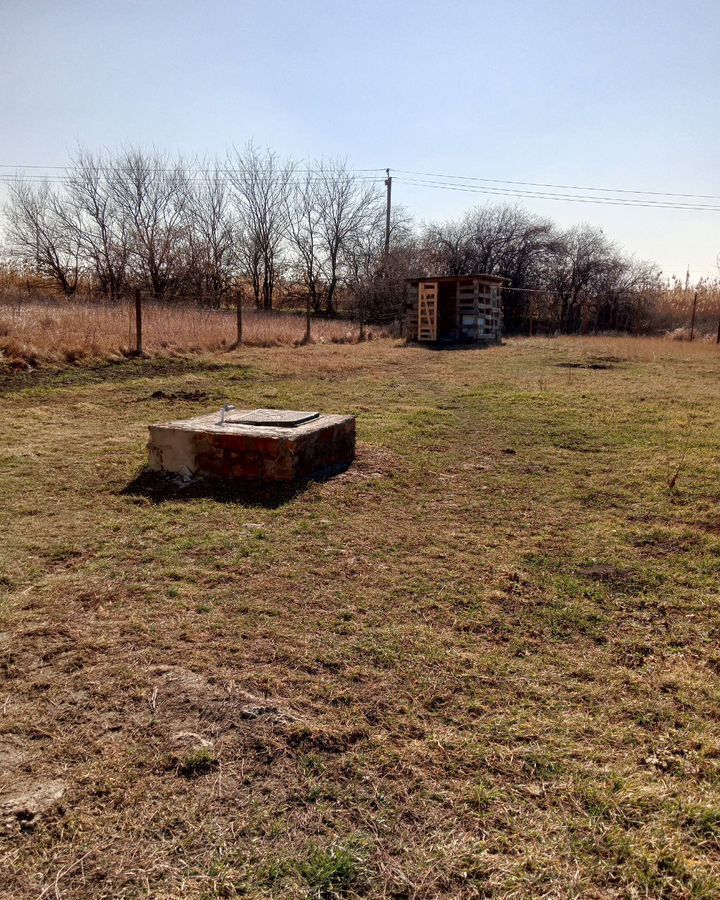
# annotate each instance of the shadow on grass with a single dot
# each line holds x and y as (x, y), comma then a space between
(112, 371)
(159, 487)
(598, 366)
(456, 346)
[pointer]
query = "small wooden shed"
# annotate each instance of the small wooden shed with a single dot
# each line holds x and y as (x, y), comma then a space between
(454, 308)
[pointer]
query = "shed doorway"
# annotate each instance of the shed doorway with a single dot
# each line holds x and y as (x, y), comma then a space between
(447, 311)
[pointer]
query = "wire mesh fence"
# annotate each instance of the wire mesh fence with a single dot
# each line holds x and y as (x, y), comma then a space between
(34, 329)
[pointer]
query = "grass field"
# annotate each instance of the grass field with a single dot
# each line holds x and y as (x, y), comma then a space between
(483, 662)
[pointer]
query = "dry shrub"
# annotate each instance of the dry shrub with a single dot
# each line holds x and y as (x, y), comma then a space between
(70, 331)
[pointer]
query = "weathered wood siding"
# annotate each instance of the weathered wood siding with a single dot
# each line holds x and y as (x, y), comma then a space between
(411, 315)
(479, 311)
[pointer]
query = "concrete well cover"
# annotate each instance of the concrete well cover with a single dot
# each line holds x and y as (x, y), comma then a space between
(235, 449)
(278, 418)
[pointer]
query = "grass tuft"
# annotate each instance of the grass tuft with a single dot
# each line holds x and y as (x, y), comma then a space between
(199, 762)
(332, 872)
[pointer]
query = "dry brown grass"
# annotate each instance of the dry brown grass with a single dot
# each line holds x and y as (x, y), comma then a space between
(482, 663)
(625, 348)
(61, 331)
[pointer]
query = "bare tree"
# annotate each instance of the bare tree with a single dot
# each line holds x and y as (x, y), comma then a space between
(212, 235)
(446, 249)
(303, 229)
(261, 184)
(377, 281)
(574, 268)
(346, 209)
(151, 191)
(39, 236)
(90, 209)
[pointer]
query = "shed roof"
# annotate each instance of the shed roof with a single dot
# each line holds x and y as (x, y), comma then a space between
(483, 276)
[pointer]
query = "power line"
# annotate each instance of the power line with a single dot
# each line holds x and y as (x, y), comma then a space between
(568, 187)
(57, 180)
(194, 178)
(538, 195)
(198, 170)
(466, 184)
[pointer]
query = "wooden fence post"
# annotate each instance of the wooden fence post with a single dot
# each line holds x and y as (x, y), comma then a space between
(138, 323)
(637, 316)
(307, 321)
(692, 320)
(530, 315)
(239, 317)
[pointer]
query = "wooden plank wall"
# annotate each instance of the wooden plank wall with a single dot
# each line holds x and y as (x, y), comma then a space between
(427, 310)
(475, 298)
(467, 293)
(411, 316)
(489, 312)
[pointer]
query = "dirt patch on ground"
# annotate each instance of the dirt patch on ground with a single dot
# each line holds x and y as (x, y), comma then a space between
(22, 807)
(623, 580)
(595, 366)
(184, 396)
(13, 753)
(593, 363)
(180, 696)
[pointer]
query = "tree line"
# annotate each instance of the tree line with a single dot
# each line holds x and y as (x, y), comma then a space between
(259, 227)
(565, 280)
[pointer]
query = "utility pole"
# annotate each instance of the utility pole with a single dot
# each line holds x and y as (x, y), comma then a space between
(388, 185)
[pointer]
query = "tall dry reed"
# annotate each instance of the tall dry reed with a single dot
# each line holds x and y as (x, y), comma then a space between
(70, 331)
(672, 310)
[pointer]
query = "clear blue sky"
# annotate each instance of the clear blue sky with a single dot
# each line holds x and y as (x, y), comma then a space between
(609, 94)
